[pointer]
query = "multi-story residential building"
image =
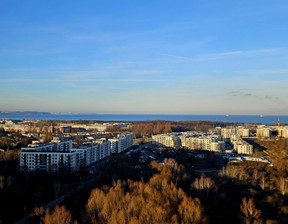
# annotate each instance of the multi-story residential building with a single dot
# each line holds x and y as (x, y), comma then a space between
(58, 155)
(169, 140)
(217, 146)
(283, 131)
(243, 148)
(45, 157)
(104, 146)
(115, 146)
(240, 146)
(201, 141)
(192, 140)
(85, 154)
(122, 142)
(61, 145)
(227, 132)
(263, 132)
(129, 139)
(243, 132)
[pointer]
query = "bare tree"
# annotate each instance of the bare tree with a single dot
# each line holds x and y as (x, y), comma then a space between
(56, 187)
(262, 182)
(203, 183)
(282, 185)
(250, 213)
(210, 184)
(196, 184)
(255, 174)
(2, 181)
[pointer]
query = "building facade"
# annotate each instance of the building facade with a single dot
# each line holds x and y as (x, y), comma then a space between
(59, 155)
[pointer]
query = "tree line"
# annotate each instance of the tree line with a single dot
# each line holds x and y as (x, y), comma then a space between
(149, 128)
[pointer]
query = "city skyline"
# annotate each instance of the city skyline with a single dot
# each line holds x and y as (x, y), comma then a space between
(155, 57)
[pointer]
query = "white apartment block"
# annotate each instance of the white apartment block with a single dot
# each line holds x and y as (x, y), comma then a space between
(129, 139)
(283, 132)
(263, 132)
(240, 146)
(115, 146)
(85, 155)
(59, 156)
(217, 146)
(243, 132)
(169, 140)
(204, 142)
(122, 142)
(243, 148)
(227, 132)
(191, 140)
(45, 157)
(200, 141)
(104, 148)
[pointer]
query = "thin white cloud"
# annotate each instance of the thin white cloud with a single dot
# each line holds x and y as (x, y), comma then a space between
(223, 55)
(79, 80)
(176, 56)
(272, 71)
(147, 72)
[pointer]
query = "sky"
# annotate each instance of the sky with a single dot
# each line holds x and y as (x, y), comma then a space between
(144, 57)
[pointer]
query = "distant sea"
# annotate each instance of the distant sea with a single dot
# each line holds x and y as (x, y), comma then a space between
(144, 117)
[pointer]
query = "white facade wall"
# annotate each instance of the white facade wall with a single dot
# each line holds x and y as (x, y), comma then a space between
(60, 156)
(166, 139)
(263, 132)
(129, 141)
(244, 149)
(85, 155)
(243, 132)
(283, 132)
(49, 161)
(121, 143)
(94, 153)
(217, 146)
(114, 145)
(104, 148)
(227, 132)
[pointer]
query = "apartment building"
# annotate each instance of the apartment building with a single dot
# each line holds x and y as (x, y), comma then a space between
(46, 157)
(263, 132)
(243, 148)
(104, 148)
(217, 146)
(240, 146)
(59, 155)
(122, 142)
(227, 132)
(283, 132)
(200, 141)
(192, 140)
(243, 132)
(169, 140)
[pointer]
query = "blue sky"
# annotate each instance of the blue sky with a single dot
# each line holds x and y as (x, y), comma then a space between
(157, 57)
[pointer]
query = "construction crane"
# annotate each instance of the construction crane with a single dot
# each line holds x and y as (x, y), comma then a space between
(279, 123)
